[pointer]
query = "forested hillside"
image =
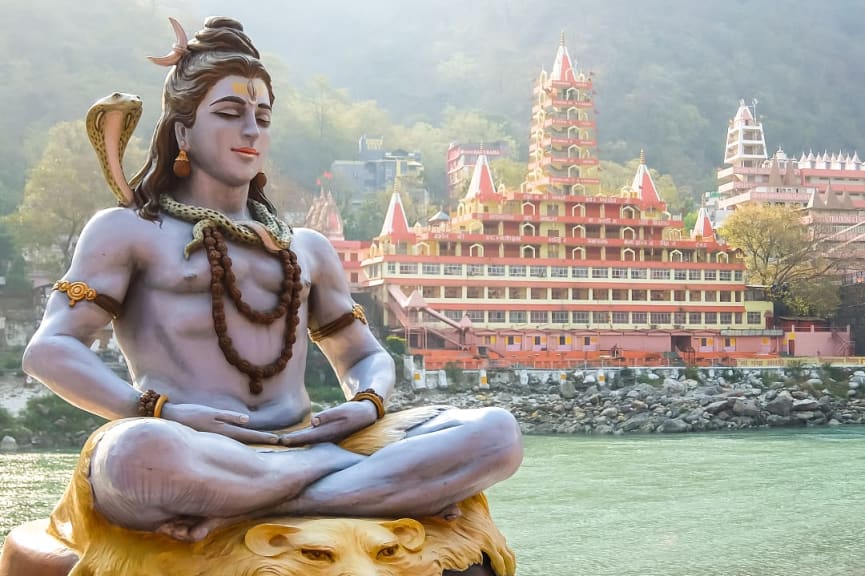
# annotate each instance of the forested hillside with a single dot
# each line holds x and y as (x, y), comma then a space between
(668, 73)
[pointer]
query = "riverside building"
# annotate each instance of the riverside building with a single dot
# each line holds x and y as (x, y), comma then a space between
(559, 273)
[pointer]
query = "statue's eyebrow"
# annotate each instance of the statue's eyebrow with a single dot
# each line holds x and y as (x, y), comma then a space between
(239, 100)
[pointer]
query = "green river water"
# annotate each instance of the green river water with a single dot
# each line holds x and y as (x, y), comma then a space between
(761, 503)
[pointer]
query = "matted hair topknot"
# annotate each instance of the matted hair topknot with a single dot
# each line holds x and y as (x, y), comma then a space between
(220, 33)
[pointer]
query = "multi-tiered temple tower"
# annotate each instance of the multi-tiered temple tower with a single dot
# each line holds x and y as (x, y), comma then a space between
(563, 142)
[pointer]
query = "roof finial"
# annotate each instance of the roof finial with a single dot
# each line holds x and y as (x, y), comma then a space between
(642, 157)
(562, 38)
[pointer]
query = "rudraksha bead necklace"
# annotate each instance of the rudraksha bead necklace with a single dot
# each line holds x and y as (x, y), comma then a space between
(222, 280)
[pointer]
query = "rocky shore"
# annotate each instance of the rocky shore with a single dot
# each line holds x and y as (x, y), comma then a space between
(620, 401)
(662, 401)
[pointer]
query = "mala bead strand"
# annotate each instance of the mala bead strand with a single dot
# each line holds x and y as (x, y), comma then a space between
(222, 278)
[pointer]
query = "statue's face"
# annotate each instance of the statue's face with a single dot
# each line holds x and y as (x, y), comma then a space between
(230, 137)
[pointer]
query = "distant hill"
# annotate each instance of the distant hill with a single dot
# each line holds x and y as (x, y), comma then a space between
(669, 73)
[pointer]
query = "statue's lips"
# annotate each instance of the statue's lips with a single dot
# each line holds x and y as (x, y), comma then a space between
(250, 151)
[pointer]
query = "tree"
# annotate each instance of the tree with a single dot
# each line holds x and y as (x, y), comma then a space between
(511, 172)
(63, 190)
(780, 253)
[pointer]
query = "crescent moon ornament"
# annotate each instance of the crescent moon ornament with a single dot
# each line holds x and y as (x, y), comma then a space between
(179, 49)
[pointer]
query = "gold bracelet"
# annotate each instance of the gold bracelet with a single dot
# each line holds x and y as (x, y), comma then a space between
(150, 403)
(374, 397)
(157, 410)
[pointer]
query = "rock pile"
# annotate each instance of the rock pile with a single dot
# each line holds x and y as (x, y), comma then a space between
(669, 401)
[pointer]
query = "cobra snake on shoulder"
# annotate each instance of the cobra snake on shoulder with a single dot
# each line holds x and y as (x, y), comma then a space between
(110, 122)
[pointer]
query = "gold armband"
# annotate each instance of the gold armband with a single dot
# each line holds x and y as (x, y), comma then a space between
(374, 397)
(331, 328)
(78, 291)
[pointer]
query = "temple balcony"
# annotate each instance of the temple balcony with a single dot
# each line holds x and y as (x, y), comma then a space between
(569, 160)
(565, 180)
(561, 122)
(584, 84)
(564, 104)
(565, 141)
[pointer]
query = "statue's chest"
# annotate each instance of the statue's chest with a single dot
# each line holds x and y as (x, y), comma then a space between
(251, 269)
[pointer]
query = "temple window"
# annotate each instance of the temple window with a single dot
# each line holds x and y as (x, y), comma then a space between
(580, 317)
(516, 293)
(539, 317)
(579, 293)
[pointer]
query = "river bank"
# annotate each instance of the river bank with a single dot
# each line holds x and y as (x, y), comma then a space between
(580, 402)
(662, 400)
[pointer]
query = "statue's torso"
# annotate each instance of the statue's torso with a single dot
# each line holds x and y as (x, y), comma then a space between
(167, 334)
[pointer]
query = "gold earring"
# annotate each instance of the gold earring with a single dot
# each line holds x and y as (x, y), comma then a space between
(181, 167)
(260, 180)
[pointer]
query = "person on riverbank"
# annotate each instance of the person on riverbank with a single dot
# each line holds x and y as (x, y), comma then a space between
(211, 377)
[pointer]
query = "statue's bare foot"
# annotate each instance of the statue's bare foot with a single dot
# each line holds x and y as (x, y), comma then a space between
(450, 513)
(189, 529)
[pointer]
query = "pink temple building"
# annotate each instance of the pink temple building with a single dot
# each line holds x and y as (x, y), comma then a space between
(559, 272)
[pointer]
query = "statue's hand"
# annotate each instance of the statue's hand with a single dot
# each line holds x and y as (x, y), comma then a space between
(224, 422)
(333, 424)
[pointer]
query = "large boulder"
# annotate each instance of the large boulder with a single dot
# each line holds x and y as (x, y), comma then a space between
(674, 425)
(781, 405)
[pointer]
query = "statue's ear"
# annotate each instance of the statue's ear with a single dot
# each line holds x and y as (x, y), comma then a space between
(269, 539)
(410, 533)
(180, 134)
